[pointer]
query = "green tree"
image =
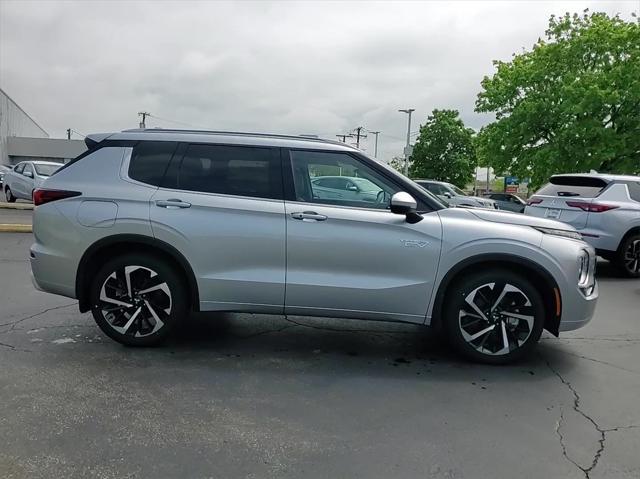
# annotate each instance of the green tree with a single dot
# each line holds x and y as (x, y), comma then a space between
(444, 149)
(570, 104)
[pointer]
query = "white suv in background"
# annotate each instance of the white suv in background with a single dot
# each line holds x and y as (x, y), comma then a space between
(605, 209)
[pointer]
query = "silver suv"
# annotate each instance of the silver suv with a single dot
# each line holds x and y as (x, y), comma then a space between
(149, 225)
(452, 195)
(604, 208)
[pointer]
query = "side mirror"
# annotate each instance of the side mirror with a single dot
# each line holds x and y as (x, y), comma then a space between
(352, 188)
(403, 203)
(448, 195)
(28, 173)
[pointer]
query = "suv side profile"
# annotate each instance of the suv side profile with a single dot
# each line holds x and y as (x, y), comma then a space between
(604, 208)
(148, 225)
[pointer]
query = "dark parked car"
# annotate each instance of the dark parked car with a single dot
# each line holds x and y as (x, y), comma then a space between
(508, 201)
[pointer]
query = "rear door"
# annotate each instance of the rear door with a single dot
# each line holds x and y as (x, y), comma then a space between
(566, 198)
(222, 207)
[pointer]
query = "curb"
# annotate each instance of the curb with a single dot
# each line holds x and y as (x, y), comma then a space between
(13, 228)
(16, 206)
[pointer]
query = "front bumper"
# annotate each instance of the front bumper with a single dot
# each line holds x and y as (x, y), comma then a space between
(578, 309)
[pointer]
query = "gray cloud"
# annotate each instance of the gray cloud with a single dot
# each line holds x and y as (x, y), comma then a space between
(321, 68)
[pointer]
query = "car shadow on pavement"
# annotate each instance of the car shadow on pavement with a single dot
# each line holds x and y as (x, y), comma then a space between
(338, 346)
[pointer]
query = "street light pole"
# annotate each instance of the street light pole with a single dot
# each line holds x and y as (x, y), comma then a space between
(375, 150)
(406, 149)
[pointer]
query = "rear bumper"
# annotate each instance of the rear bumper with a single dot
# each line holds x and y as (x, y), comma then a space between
(51, 272)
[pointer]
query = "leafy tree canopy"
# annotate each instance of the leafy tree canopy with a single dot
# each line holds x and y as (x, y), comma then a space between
(570, 104)
(444, 149)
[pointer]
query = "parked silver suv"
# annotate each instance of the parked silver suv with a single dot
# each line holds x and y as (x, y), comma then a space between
(148, 225)
(604, 208)
(452, 195)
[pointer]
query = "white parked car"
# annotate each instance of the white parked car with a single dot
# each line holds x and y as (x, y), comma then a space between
(605, 209)
(25, 177)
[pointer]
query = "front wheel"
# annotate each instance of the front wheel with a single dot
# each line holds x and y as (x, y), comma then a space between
(494, 317)
(628, 256)
(138, 299)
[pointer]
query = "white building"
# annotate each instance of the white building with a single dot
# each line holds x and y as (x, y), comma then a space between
(21, 138)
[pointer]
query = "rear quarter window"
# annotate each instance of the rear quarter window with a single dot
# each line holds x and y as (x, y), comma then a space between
(634, 190)
(573, 186)
(149, 161)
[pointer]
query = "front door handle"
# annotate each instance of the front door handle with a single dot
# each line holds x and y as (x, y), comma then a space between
(308, 216)
(172, 203)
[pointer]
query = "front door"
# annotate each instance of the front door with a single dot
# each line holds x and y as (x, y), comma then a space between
(222, 208)
(352, 257)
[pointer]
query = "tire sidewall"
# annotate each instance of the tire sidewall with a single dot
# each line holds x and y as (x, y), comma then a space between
(9, 195)
(456, 297)
(620, 257)
(179, 307)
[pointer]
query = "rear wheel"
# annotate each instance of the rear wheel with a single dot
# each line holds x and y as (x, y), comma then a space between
(9, 195)
(138, 300)
(494, 317)
(628, 256)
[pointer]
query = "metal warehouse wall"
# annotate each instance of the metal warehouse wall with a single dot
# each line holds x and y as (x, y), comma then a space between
(14, 121)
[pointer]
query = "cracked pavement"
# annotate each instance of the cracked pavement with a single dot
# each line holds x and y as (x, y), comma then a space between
(266, 396)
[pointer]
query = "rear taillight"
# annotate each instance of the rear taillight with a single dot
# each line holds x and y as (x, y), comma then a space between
(591, 207)
(40, 197)
(534, 201)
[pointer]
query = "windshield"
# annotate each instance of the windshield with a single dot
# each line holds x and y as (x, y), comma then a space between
(44, 169)
(456, 190)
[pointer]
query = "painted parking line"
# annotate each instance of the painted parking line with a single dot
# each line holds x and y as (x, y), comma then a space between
(14, 228)
(16, 206)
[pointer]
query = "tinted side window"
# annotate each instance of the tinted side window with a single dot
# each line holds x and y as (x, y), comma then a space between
(149, 161)
(231, 170)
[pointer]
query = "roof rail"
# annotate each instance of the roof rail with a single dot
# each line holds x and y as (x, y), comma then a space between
(236, 133)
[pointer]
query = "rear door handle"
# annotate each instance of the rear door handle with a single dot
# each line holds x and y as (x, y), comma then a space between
(172, 203)
(308, 215)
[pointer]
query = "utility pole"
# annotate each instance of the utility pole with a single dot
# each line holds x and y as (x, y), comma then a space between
(407, 149)
(144, 115)
(344, 137)
(359, 135)
(375, 150)
(68, 133)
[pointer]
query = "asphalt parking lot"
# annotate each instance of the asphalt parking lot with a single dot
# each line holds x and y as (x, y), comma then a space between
(266, 396)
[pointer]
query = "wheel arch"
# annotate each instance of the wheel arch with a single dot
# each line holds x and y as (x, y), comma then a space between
(633, 230)
(95, 255)
(541, 278)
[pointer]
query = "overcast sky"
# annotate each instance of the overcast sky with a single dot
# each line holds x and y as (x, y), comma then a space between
(285, 67)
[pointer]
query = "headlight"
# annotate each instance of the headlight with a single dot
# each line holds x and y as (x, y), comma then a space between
(563, 233)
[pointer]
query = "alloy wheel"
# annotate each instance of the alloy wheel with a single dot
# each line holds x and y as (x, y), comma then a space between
(496, 318)
(632, 256)
(135, 301)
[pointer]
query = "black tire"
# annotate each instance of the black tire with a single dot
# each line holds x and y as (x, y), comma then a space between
(464, 325)
(9, 195)
(627, 258)
(151, 316)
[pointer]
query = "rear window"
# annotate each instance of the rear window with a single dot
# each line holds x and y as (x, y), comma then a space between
(573, 186)
(149, 161)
